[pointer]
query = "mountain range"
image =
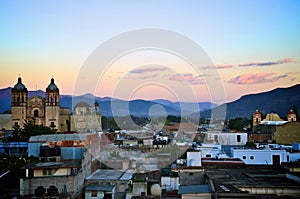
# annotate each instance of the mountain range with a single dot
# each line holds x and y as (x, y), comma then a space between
(279, 100)
(116, 107)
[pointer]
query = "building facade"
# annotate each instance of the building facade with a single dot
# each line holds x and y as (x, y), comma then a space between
(48, 112)
(272, 128)
(45, 111)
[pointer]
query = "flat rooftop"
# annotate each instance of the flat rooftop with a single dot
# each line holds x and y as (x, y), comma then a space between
(103, 174)
(249, 176)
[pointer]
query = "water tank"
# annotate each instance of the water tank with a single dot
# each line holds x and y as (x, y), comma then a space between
(155, 190)
(52, 191)
(39, 191)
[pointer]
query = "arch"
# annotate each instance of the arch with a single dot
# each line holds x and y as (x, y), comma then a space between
(36, 113)
(192, 162)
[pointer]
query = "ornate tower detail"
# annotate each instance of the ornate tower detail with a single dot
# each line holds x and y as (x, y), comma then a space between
(52, 94)
(256, 117)
(52, 105)
(292, 117)
(19, 94)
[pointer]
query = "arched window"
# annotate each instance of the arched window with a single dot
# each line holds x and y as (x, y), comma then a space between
(36, 113)
(18, 101)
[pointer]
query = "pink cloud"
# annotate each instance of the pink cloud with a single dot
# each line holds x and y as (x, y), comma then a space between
(150, 76)
(148, 70)
(187, 77)
(218, 66)
(269, 63)
(258, 78)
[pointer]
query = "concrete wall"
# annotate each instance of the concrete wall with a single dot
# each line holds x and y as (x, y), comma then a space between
(263, 157)
(5, 122)
(288, 133)
(197, 196)
(139, 187)
(191, 177)
(73, 183)
(193, 158)
(227, 138)
(169, 183)
(88, 195)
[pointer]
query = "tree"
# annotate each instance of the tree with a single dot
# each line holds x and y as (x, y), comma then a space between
(238, 123)
(30, 129)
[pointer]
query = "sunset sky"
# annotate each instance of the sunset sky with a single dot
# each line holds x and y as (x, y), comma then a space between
(253, 45)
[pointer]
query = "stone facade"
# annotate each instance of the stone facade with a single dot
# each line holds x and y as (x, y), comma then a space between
(48, 112)
(45, 112)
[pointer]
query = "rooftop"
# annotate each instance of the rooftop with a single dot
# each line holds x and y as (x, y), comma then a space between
(253, 176)
(194, 189)
(58, 137)
(53, 165)
(102, 174)
(93, 187)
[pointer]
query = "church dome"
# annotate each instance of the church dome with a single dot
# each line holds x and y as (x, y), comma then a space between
(52, 86)
(20, 86)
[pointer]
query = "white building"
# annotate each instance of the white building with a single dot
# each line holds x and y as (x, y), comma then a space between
(211, 150)
(193, 158)
(227, 138)
(261, 156)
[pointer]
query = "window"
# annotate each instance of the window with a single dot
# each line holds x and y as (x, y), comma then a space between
(288, 158)
(244, 157)
(16, 123)
(52, 124)
(208, 155)
(94, 194)
(238, 138)
(216, 138)
(36, 113)
(47, 172)
(251, 157)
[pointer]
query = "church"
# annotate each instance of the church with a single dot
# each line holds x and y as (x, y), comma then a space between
(48, 112)
(272, 128)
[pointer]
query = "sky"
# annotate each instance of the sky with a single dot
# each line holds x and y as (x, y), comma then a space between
(245, 47)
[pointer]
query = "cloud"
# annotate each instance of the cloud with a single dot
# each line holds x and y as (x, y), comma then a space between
(148, 70)
(150, 76)
(218, 66)
(258, 78)
(188, 77)
(270, 63)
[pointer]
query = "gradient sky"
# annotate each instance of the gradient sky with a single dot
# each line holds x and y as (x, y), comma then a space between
(254, 45)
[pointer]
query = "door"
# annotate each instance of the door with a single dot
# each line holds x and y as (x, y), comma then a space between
(276, 159)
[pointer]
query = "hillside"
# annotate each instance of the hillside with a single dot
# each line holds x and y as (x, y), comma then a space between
(279, 100)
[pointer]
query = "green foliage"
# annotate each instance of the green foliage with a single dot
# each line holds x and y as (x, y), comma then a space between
(250, 144)
(175, 119)
(14, 163)
(109, 123)
(30, 129)
(115, 154)
(238, 123)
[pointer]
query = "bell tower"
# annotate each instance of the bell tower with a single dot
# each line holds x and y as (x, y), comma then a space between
(256, 117)
(19, 94)
(292, 117)
(52, 105)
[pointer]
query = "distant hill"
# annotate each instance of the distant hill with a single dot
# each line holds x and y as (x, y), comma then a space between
(279, 100)
(116, 107)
